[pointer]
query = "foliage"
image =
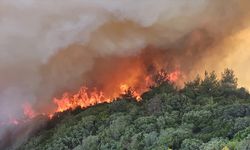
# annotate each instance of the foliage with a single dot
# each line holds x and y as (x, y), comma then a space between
(214, 144)
(191, 144)
(206, 114)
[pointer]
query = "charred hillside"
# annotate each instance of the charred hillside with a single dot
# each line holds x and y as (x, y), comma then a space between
(205, 114)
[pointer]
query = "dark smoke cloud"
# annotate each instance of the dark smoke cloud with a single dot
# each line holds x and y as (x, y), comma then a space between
(48, 47)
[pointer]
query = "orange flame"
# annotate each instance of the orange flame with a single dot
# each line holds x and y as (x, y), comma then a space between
(82, 98)
(174, 76)
(28, 111)
(125, 88)
(85, 97)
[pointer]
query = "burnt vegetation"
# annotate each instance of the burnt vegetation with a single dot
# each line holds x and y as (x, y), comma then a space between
(206, 114)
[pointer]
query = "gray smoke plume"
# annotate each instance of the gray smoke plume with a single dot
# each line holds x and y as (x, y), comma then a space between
(48, 47)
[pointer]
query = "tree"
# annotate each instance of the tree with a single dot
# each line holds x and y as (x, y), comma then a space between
(199, 119)
(191, 88)
(118, 126)
(214, 144)
(161, 77)
(241, 124)
(191, 144)
(129, 94)
(150, 139)
(146, 124)
(137, 141)
(209, 85)
(91, 142)
(228, 79)
(172, 137)
(154, 105)
(244, 144)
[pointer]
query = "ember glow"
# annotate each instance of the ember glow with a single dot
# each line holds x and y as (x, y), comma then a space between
(84, 52)
(10, 121)
(28, 111)
(86, 97)
(28, 114)
(83, 98)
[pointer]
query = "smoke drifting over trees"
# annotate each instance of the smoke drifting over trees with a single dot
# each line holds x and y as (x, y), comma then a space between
(48, 47)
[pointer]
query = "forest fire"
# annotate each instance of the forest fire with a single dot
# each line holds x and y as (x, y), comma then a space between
(77, 54)
(132, 76)
(28, 111)
(86, 97)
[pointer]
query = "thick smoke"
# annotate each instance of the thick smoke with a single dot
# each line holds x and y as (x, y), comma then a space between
(48, 47)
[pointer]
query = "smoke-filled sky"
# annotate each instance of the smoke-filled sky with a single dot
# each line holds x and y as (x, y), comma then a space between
(51, 46)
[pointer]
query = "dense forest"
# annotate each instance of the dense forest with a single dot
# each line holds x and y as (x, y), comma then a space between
(206, 114)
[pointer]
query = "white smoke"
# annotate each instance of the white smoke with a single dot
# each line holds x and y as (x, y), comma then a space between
(33, 33)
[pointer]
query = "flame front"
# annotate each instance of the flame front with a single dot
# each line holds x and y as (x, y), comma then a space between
(86, 97)
(83, 98)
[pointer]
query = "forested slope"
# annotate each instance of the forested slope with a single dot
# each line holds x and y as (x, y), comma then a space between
(207, 114)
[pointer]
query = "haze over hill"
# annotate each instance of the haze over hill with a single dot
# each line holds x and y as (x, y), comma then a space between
(49, 48)
(207, 114)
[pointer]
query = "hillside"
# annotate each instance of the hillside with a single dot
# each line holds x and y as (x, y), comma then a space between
(206, 114)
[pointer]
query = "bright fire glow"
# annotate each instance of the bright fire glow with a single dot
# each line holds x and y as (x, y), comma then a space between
(28, 111)
(82, 98)
(86, 97)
